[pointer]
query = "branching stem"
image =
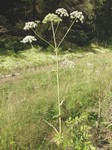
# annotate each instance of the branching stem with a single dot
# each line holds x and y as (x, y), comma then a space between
(57, 27)
(55, 47)
(65, 34)
(42, 38)
(51, 126)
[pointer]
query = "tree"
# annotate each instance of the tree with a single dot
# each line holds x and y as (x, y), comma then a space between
(104, 20)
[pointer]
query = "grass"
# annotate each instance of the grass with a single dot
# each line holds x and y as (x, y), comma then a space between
(27, 102)
(23, 60)
(32, 58)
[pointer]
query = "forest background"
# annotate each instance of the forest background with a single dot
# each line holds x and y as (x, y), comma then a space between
(97, 27)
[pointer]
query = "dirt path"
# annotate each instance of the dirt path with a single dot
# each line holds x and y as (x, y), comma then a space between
(12, 77)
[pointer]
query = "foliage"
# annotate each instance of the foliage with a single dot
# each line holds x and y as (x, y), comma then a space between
(79, 136)
(11, 43)
(95, 12)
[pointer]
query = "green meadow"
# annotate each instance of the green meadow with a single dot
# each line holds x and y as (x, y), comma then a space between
(28, 102)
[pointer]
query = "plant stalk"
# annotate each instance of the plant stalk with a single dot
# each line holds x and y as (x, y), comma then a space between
(57, 77)
(65, 34)
(43, 39)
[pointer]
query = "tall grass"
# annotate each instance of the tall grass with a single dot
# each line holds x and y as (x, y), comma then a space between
(27, 102)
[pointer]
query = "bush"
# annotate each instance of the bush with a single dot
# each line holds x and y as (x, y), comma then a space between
(12, 43)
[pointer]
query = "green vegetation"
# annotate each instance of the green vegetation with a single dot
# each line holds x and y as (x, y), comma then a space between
(29, 103)
(11, 62)
(56, 95)
(97, 25)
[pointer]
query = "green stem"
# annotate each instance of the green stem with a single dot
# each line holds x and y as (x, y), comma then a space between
(99, 106)
(31, 45)
(65, 34)
(43, 39)
(54, 37)
(57, 77)
(57, 27)
(58, 92)
(51, 126)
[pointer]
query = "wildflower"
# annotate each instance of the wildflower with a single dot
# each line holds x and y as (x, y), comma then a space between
(90, 65)
(67, 64)
(37, 21)
(29, 39)
(62, 12)
(97, 72)
(51, 18)
(30, 25)
(78, 16)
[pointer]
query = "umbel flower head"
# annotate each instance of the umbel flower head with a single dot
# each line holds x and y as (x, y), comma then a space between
(62, 12)
(30, 25)
(51, 17)
(78, 16)
(29, 39)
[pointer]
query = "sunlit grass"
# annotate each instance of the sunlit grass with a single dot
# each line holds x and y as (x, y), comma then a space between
(26, 102)
(34, 58)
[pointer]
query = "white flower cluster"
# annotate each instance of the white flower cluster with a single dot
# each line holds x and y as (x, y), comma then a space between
(67, 64)
(77, 15)
(90, 65)
(29, 39)
(62, 12)
(30, 25)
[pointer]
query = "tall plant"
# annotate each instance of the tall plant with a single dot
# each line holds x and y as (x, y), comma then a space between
(54, 19)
